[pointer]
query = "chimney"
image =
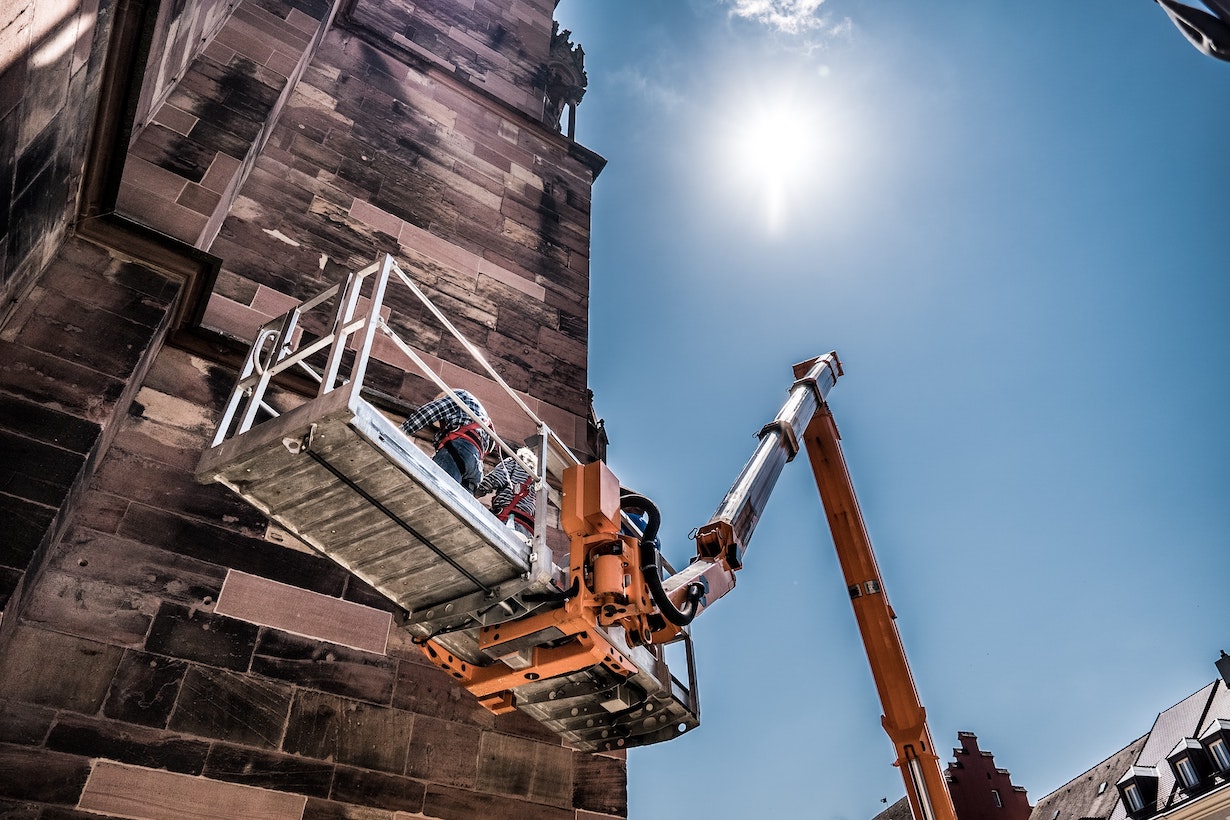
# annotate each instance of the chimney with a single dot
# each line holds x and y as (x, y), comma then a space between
(1223, 667)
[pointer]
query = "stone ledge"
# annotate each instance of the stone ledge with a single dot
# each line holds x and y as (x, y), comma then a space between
(131, 791)
(299, 611)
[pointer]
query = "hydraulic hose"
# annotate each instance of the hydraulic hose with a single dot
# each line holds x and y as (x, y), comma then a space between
(553, 597)
(649, 566)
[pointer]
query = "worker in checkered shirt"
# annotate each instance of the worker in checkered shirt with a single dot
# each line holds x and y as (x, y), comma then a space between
(514, 491)
(460, 441)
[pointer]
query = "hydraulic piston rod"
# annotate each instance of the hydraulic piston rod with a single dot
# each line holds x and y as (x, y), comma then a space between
(726, 536)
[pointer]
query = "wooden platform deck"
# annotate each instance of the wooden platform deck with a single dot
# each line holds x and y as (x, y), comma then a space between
(347, 481)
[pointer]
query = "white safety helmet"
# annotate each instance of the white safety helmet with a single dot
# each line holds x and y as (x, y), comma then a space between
(527, 456)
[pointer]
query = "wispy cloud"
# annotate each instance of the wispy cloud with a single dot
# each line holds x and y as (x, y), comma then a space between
(644, 86)
(789, 16)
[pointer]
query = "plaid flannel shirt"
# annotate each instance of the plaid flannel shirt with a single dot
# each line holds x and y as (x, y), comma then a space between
(445, 412)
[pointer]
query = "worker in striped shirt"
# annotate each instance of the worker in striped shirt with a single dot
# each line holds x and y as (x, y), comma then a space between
(460, 441)
(514, 491)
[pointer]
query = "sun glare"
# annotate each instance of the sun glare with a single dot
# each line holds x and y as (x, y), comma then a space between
(775, 146)
(777, 153)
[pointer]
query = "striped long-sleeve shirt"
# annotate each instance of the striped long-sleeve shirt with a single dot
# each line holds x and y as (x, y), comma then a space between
(445, 412)
(507, 480)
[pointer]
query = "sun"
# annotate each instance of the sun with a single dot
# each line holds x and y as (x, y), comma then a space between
(777, 144)
(777, 149)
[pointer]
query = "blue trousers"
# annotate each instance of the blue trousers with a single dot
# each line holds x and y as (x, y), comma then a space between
(459, 458)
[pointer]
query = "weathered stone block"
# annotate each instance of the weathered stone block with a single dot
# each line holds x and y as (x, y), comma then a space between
(199, 199)
(191, 379)
(23, 723)
(517, 322)
(37, 471)
(9, 579)
(327, 667)
(192, 634)
(150, 575)
(114, 345)
(330, 810)
(101, 512)
(444, 752)
(127, 290)
(268, 771)
(177, 154)
(539, 772)
(26, 522)
(20, 810)
(144, 689)
(170, 487)
(560, 345)
(89, 608)
(98, 585)
(47, 425)
(166, 429)
(327, 727)
(37, 774)
(382, 791)
(457, 804)
(223, 705)
(51, 669)
(67, 385)
(152, 748)
(226, 548)
(600, 784)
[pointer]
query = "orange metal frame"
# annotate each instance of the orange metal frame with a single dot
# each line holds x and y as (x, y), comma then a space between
(604, 567)
(904, 719)
(610, 591)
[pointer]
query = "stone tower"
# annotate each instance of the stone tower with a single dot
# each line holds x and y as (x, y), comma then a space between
(173, 174)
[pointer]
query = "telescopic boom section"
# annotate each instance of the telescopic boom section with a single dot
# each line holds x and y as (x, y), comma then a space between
(730, 529)
(721, 543)
(905, 719)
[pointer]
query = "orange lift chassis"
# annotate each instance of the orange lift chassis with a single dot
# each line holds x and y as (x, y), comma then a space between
(616, 582)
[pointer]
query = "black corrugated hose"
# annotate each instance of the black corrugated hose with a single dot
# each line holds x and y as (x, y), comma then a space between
(649, 565)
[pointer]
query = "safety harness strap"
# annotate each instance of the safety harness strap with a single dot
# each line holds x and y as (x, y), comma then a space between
(470, 432)
(510, 509)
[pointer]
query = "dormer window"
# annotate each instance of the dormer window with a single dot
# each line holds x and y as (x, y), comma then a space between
(1216, 742)
(1220, 754)
(1131, 796)
(1188, 762)
(1138, 790)
(1187, 772)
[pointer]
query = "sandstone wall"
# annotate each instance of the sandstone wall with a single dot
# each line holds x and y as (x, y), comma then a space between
(163, 651)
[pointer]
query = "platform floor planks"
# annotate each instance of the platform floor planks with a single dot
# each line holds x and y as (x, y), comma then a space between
(305, 497)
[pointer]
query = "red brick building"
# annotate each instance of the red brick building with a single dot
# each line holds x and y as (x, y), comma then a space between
(172, 175)
(980, 790)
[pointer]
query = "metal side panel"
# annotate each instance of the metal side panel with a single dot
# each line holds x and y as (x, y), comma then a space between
(594, 710)
(346, 491)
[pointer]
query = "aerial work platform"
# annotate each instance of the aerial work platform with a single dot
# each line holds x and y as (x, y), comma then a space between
(348, 482)
(345, 479)
(575, 636)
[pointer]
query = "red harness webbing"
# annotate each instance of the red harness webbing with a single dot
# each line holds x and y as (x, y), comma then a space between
(510, 509)
(469, 432)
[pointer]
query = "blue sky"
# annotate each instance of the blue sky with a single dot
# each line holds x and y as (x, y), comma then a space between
(1011, 222)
